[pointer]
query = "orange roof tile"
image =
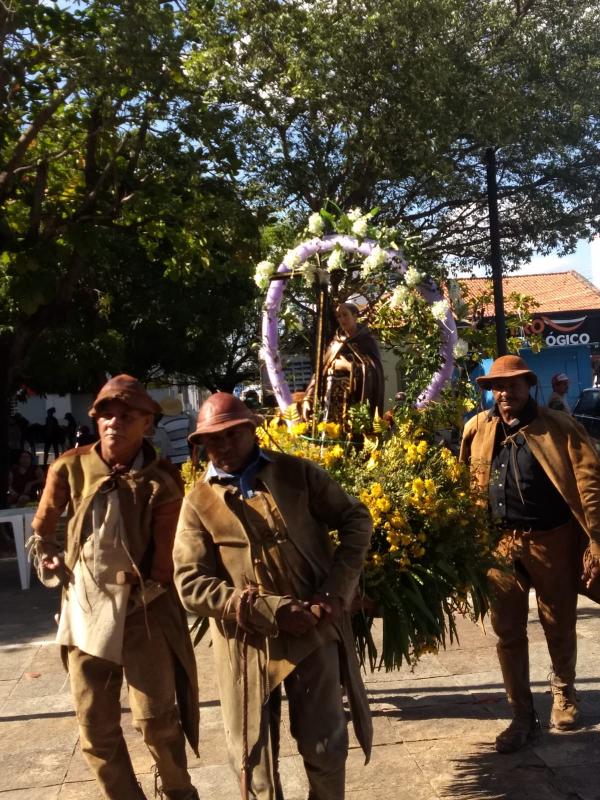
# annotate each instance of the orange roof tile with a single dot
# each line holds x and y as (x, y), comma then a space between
(554, 291)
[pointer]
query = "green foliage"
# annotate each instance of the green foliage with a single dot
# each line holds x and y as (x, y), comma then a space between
(432, 541)
(392, 103)
(121, 225)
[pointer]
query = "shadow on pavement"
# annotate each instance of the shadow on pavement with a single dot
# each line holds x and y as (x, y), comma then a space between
(559, 768)
(28, 615)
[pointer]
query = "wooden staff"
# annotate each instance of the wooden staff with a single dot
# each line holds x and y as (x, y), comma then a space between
(322, 289)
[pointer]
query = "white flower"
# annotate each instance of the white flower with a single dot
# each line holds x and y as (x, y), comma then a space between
(372, 262)
(412, 277)
(399, 297)
(291, 259)
(336, 259)
(263, 272)
(354, 214)
(360, 227)
(316, 224)
(461, 348)
(440, 309)
(309, 270)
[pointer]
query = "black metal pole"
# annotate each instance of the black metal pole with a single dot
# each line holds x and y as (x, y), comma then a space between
(495, 255)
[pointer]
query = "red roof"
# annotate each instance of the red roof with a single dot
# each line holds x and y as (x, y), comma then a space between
(554, 291)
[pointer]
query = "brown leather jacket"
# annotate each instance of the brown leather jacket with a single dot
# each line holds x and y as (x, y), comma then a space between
(565, 452)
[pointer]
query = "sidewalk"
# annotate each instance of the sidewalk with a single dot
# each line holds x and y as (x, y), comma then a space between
(434, 728)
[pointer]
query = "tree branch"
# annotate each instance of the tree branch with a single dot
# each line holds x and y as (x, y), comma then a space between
(27, 137)
(35, 213)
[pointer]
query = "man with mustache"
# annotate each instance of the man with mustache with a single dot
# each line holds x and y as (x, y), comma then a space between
(540, 475)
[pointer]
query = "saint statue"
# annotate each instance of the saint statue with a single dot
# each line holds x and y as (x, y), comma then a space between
(352, 369)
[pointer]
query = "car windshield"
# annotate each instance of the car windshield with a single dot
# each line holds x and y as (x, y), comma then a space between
(589, 403)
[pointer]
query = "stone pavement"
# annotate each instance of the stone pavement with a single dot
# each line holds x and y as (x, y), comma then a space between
(434, 727)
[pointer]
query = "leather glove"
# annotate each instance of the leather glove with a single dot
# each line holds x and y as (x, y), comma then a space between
(295, 618)
(332, 606)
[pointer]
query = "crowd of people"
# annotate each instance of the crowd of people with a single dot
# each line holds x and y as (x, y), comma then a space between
(249, 548)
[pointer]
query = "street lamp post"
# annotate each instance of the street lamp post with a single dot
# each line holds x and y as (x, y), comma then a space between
(495, 255)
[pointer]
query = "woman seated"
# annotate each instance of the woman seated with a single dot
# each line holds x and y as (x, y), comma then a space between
(24, 481)
(352, 369)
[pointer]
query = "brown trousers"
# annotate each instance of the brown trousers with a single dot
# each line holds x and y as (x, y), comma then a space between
(149, 669)
(549, 562)
(317, 723)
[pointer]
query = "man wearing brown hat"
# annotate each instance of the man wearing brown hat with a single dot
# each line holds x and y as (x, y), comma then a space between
(120, 613)
(253, 553)
(541, 476)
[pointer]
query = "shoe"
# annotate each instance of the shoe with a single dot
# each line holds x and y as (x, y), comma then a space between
(522, 730)
(565, 711)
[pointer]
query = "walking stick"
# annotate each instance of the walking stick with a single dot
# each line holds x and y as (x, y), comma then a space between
(245, 776)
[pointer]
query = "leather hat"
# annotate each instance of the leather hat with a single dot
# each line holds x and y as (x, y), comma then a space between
(507, 367)
(129, 391)
(219, 412)
(171, 406)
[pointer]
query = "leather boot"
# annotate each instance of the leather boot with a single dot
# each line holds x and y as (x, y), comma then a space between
(565, 711)
(524, 729)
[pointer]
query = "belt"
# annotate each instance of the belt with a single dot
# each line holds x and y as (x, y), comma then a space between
(525, 529)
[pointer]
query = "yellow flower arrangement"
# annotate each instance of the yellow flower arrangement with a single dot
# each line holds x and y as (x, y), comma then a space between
(431, 544)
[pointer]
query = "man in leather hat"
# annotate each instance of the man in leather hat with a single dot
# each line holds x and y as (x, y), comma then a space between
(541, 476)
(253, 553)
(120, 613)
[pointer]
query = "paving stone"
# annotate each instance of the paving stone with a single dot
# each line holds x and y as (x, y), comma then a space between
(6, 688)
(45, 793)
(14, 661)
(80, 790)
(18, 706)
(580, 781)
(47, 683)
(391, 768)
(32, 768)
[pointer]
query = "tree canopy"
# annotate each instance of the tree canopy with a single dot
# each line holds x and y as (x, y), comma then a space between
(392, 103)
(115, 219)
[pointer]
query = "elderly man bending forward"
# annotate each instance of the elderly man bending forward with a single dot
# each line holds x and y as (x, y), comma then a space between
(253, 552)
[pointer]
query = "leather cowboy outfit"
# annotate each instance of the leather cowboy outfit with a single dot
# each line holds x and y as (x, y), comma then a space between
(541, 477)
(255, 541)
(123, 521)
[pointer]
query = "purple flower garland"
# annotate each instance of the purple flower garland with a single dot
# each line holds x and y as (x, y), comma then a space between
(273, 300)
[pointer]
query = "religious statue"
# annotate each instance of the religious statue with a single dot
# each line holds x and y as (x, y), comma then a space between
(352, 369)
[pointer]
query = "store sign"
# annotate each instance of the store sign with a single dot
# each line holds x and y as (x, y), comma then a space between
(563, 329)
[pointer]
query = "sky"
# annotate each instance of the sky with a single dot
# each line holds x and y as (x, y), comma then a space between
(580, 260)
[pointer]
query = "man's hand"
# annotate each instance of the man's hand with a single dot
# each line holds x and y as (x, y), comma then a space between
(52, 562)
(591, 568)
(332, 606)
(295, 618)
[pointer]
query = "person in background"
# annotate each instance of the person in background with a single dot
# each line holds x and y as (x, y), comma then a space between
(120, 615)
(24, 481)
(253, 552)
(176, 425)
(84, 436)
(560, 388)
(540, 474)
(71, 429)
(52, 435)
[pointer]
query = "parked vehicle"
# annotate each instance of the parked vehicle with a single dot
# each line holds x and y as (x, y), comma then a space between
(587, 411)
